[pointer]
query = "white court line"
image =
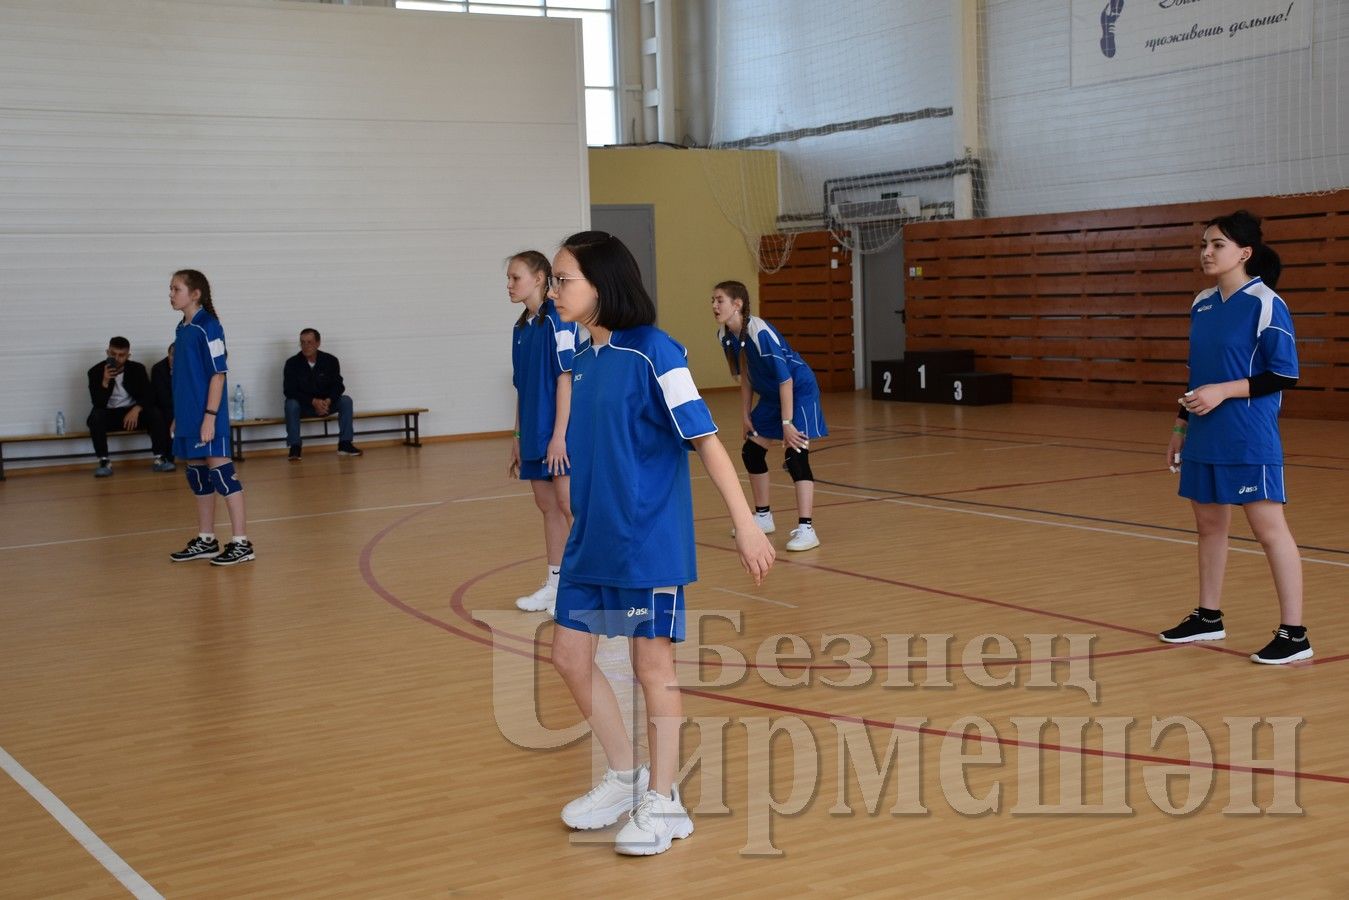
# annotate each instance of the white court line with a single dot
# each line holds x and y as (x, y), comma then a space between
(109, 537)
(496, 497)
(1052, 524)
(1016, 447)
(81, 832)
(757, 597)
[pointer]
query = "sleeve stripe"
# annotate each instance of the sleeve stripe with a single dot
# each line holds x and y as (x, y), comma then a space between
(678, 387)
(217, 347)
(565, 340)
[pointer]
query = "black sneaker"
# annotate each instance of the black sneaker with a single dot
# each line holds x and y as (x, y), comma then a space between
(1200, 625)
(294, 453)
(235, 552)
(1284, 649)
(196, 549)
(347, 448)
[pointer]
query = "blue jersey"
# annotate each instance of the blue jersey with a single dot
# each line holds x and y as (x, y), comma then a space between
(634, 408)
(540, 352)
(769, 360)
(198, 355)
(1248, 333)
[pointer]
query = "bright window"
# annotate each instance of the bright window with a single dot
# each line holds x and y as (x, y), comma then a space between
(597, 41)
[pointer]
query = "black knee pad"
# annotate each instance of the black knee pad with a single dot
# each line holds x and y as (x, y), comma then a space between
(755, 457)
(797, 464)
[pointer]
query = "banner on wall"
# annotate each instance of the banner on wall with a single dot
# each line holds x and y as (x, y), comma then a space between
(1118, 39)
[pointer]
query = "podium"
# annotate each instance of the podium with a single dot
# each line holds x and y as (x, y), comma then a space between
(887, 379)
(972, 388)
(922, 373)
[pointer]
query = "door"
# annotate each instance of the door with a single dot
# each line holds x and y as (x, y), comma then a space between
(635, 225)
(883, 303)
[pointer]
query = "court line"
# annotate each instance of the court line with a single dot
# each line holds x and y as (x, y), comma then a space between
(75, 827)
(336, 512)
(756, 597)
(367, 573)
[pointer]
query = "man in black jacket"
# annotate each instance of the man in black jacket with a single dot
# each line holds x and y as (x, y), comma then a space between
(123, 401)
(312, 381)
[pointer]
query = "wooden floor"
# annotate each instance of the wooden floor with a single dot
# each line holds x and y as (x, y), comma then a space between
(332, 719)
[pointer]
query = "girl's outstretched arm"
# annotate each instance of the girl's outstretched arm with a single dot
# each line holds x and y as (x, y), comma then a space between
(756, 552)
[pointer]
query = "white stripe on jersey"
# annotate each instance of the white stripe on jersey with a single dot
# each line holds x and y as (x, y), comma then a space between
(565, 340)
(678, 387)
(217, 348)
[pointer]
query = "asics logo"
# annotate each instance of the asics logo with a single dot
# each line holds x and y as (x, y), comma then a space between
(1204, 308)
(1249, 489)
(577, 377)
(638, 611)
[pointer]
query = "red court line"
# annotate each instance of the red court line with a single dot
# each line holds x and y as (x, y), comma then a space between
(367, 573)
(993, 487)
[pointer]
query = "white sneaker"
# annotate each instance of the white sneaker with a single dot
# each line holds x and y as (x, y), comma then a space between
(607, 801)
(803, 538)
(545, 598)
(764, 521)
(655, 823)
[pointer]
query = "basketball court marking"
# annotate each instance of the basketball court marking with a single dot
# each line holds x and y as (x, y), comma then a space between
(75, 827)
(757, 597)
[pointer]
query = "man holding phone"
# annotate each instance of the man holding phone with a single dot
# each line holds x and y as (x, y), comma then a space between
(124, 401)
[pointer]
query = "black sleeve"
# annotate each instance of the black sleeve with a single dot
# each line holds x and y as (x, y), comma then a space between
(1269, 383)
(338, 388)
(291, 383)
(98, 394)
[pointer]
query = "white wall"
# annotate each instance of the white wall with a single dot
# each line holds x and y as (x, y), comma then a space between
(361, 171)
(1270, 125)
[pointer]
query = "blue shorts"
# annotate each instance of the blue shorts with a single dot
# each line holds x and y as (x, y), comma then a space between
(1211, 483)
(537, 470)
(185, 447)
(621, 612)
(766, 417)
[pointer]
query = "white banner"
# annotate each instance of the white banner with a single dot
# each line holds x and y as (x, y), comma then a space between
(1117, 39)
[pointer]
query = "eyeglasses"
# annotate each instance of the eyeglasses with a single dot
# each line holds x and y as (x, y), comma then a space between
(556, 282)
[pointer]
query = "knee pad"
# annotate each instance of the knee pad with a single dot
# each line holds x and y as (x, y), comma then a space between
(199, 479)
(755, 457)
(224, 481)
(797, 464)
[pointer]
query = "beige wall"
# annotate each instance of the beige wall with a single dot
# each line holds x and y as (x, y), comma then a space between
(695, 244)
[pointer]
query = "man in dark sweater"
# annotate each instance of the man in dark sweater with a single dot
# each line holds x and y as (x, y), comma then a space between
(161, 385)
(312, 382)
(123, 401)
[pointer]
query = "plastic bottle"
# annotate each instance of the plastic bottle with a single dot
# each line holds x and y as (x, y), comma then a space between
(237, 406)
(60, 422)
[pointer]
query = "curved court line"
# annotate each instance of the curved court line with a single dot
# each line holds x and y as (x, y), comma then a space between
(367, 573)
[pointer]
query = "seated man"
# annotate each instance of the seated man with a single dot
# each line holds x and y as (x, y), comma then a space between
(161, 384)
(312, 382)
(123, 401)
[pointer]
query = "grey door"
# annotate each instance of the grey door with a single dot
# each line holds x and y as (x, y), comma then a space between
(635, 225)
(883, 304)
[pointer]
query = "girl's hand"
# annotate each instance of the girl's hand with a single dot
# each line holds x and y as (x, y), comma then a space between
(557, 460)
(207, 429)
(1173, 451)
(793, 439)
(1203, 400)
(756, 552)
(513, 470)
(748, 427)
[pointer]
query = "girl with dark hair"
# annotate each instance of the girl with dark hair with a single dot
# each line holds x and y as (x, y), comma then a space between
(1226, 436)
(201, 421)
(788, 409)
(635, 415)
(542, 347)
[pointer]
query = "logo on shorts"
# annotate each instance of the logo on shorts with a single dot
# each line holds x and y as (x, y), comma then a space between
(638, 611)
(1249, 489)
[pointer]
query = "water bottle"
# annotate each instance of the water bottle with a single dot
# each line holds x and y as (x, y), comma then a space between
(237, 406)
(60, 422)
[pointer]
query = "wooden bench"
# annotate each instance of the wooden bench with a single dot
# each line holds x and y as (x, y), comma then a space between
(410, 429)
(68, 436)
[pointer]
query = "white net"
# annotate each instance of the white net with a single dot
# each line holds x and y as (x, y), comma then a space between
(884, 112)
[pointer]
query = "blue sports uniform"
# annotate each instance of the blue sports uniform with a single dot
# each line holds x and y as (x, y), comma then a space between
(1233, 454)
(770, 361)
(198, 355)
(541, 350)
(634, 409)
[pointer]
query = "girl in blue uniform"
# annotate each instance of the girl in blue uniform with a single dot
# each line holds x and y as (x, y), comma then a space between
(542, 347)
(635, 414)
(759, 355)
(201, 421)
(1226, 435)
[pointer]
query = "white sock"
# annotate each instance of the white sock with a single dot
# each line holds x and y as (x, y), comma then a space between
(554, 573)
(240, 539)
(207, 535)
(627, 776)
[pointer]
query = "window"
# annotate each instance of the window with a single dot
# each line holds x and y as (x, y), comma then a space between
(597, 41)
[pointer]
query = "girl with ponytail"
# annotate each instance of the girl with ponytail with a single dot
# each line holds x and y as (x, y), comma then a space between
(1225, 439)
